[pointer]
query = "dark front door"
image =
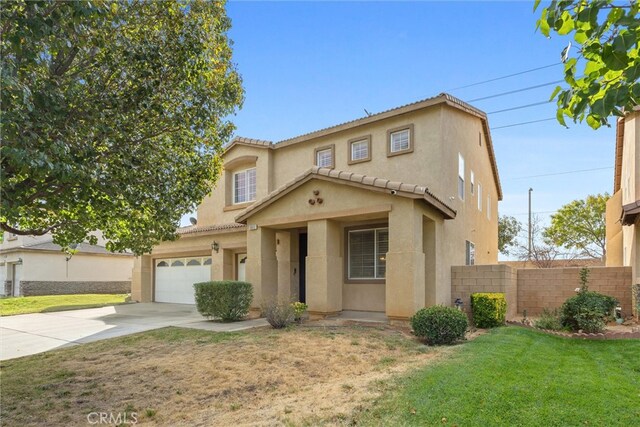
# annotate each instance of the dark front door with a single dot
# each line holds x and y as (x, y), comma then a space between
(302, 288)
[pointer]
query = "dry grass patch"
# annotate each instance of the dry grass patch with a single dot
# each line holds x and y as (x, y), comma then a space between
(303, 375)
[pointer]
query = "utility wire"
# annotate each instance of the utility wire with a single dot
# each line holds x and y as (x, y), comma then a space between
(523, 123)
(519, 107)
(563, 173)
(533, 213)
(507, 76)
(516, 91)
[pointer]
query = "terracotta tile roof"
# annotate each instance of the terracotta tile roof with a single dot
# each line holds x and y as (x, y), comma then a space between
(377, 184)
(442, 98)
(82, 248)
(241, 140)
(232, 226)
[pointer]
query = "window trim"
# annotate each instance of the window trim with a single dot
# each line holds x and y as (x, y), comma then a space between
(332, 147)
(408, 127)
(233, 187)
(467, 253)
(472, 180)
(345, 274)
(480, 197)
(461, 195)
(367, 139)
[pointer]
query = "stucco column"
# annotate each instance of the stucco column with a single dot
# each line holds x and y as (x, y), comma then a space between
(141, 283)
(286, 253)
(405, 275)
(324, 267)
(222, 264)
(262, 265)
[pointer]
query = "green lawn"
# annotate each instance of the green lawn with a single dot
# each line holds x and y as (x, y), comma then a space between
(48, 303)
(518, 377)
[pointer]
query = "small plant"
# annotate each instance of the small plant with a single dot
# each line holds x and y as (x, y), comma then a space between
(489, 309)
(227, 300)
(279, 313)
(549, 319)
(439, 325)
(298, 310)
(587, 311)
(584, 279)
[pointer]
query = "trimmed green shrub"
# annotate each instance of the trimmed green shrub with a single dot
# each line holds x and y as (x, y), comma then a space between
(280, 313)
(439, 325)
(587, 311)
(227, 300)
(549, 319)
(489, 309)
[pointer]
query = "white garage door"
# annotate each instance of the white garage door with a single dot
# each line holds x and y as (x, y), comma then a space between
(175, 278)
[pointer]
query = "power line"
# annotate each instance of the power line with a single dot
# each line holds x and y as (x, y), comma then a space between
(535, 213)
(507, 76)
(516, 91)
(563, 173)
(523, 123)
(519, 107)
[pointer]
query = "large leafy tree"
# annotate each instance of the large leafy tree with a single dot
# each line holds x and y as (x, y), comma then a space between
(508, 230)
(580, 226)
(603, 77)
(113, 115)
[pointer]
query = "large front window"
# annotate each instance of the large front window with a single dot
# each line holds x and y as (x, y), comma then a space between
(244, 186)
(367, 253)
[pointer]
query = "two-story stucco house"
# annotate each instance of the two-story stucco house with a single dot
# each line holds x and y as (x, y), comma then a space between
(366, 215)
(623, 208)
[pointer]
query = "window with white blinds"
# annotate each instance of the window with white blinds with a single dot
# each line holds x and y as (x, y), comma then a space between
(324, 158)
(368, 253)
(400, 141)
(360, 150)
(244, 186)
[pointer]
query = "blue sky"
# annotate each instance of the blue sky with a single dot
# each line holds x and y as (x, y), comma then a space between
(308, 65)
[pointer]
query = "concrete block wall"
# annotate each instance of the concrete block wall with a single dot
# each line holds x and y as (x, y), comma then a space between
(549, 288)
(536, 289)
(34, 288)
(466, 280)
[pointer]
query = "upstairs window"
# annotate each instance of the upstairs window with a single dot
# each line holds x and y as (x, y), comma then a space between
(359, 150)
(400, 140)
(460, 176)
(473, 179)
(479, 197)
(244, 186)
(324, 157)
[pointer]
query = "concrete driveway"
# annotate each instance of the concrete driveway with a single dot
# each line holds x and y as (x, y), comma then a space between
(27, 334)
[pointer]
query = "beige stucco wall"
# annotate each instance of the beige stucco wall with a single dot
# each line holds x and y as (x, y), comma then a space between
(52, 266)
(614, 237)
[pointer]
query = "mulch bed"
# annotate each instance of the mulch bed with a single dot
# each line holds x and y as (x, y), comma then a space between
(607, 335)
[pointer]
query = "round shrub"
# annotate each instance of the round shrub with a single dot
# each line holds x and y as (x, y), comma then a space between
(489, 309)
(587, 311)
(227, 300)
(439, 325)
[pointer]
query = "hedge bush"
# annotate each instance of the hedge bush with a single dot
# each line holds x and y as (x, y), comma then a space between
(439, 325)
(489, 309)
(587, 311)
(227, 300)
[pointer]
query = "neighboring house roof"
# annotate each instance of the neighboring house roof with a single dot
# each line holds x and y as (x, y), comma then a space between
(357, 180)
(216, 228)
(443, 98)
(630, 213)
(82, 248)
